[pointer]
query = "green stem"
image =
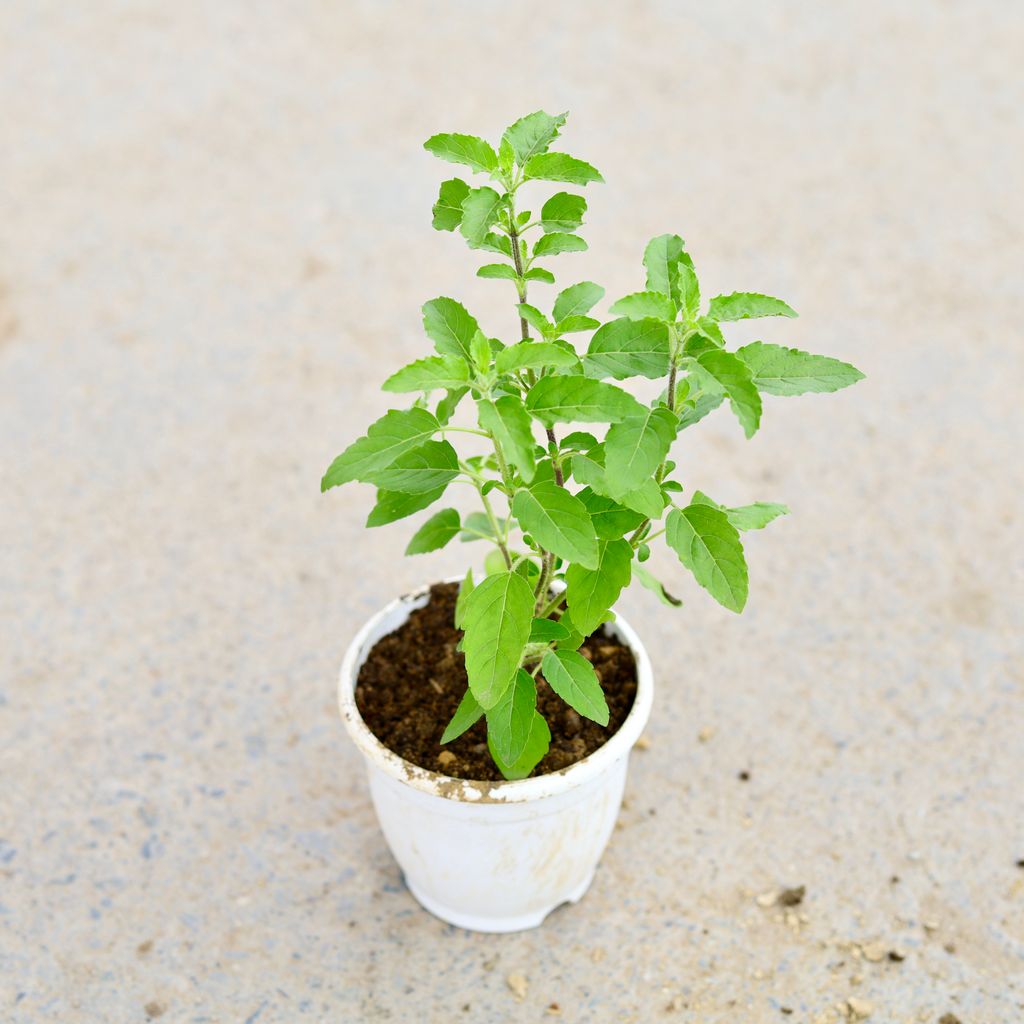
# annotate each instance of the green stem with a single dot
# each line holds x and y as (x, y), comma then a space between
(506, 476)
(552, 605)
(464, 430)
(541, 593)
(475, 533)
(553, 452)
(493, 520)
(524, 327)
(547, 559)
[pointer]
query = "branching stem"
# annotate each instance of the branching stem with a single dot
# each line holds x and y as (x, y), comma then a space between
(547, 560)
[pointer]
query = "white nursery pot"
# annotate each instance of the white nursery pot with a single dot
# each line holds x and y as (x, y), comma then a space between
(494, 856)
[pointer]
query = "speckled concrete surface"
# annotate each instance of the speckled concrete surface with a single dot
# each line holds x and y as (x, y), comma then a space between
(215, 240)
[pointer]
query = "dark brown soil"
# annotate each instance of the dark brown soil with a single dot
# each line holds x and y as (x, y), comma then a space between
(414, 678)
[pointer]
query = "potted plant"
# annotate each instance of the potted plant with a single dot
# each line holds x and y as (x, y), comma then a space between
(496, 715)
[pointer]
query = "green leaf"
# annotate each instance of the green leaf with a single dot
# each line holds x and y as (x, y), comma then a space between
(539, 274)
(480, 210)
(709, 546)
(475, 524)
(579, 441)
(746, 306)
(480, 352)
(508, 421)
(433, 464)
(589, 471)
(558, 521)
(561, 167)
(572, 324)
(710, 330)
(506, 157)
(467, 714)
(660, 258)
(450, 327)
(628, 348)
(498, 270)
(590, 593)
(532, 134)
(778, 370)
(463, 149)
(641, 305)
(494, 562)
(697, 409)
(497, 619)
(555, 242)
(437, 531)
(577, 299)
(430, 374)
(570, 398)
(635, 448)
(687, 288)
(546, 631)
(652, 583)
(533, 355)
(735, 378)
(573, 678)
(646, 499)
(466, 588)
(527, 568)
(575, 638)
(697, 343)
(611, 520)
(563, 212)
(756, 516)
(747, 517)
(447, 405)
(537, 744)
(448, 208)
(534, 317)
(494, 242)
(394, 505)
(392, 435)
(510, 720)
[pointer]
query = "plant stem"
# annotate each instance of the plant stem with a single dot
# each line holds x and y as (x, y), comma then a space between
(493, 519)
(524, 330)
(465, 430)
(638, 534)
(553, 452)
(552, 605)
(541, 593)
(547, 559)
(506, 476)
(524, 327)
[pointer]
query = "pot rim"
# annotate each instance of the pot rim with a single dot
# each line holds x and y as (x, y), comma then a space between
(478, 791)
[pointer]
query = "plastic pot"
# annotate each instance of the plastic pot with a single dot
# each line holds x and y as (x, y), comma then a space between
(494, 856)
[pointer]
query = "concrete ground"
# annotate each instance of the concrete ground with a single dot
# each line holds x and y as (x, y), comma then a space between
(214, 241)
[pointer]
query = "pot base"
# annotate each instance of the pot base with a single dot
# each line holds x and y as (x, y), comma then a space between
(496, 925)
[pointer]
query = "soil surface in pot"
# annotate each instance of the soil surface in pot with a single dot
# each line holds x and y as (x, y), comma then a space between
(412, 682)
